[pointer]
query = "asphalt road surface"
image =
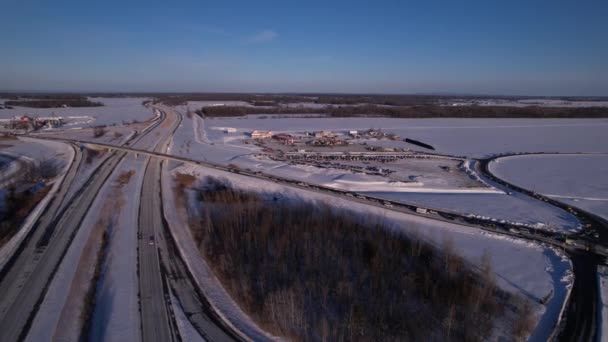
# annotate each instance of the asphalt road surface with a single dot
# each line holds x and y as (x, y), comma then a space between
(22, 288)
(154, 304)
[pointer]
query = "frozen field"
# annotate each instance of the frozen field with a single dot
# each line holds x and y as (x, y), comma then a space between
(205, 140)
(514, 208)
(532, 102)
(114, 111)
(470, 137)
(195, 139)
(35, 149)
(531, 270)
(577, 179)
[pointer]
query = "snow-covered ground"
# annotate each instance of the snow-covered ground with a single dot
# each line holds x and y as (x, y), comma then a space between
(205, 140)
(116, 315)
(59, 152)
(186, 330)
(36, 150)
(115, 111)
(531, 270)
(470, 137)
(578, 179)
(529, 102)
(513, 208)
(195, 139)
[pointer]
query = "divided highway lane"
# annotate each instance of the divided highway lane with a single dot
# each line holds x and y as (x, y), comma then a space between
(582, 310)
(25, 280)
(462, 220)
(153, 301)
(23, 286)
(156, 316)
(155, 242)
(50, 212)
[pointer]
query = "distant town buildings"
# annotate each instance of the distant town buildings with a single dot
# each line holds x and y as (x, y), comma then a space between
(261, 134)
(284, 138)
(29, 123)
(324, 134)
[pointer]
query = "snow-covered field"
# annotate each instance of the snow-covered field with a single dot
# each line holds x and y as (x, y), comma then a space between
(531, 270)
(115, 111)
(35, 149)
(530, 102)
(116, 314)
(514, 208)
(578, 179)
(205, 140)
(470, 137)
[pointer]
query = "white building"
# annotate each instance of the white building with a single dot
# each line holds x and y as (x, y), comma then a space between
(261, 134)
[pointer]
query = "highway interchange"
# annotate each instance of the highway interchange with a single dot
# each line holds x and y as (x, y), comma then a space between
(161, 272)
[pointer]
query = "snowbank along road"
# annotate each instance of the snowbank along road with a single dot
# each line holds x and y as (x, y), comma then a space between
(23, 282)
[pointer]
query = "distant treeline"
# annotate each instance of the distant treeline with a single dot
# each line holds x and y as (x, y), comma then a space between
(309, 273)
(419, 111)
(54, 102)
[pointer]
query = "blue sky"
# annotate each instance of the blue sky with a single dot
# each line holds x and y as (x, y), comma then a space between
(483, 47)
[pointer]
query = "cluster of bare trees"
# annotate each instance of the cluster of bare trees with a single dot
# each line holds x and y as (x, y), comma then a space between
(308, 272)
(418, 111)
(55, 102)
(21, 197)
(17, 205)
(99, 131)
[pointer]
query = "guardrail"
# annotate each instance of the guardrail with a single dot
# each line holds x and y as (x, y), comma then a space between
(492, 225)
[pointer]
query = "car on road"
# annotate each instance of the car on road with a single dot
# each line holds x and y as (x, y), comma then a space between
(151, 240)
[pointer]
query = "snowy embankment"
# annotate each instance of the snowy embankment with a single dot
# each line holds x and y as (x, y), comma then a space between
(578, 179)
(33, 148)
(218, 298)
(186, 331)
(534, 271)
(116, 314)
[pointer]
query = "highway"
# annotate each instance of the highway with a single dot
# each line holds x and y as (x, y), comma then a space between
(156, 313)
(24, 285)
(153, 299)
(582, 309)
(25, 278)
(162, 270)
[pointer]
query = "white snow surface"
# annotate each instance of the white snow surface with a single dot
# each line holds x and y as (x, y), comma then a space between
(197, 140)
(531, 270)
(215, 146)
(55, 150)
(186, 331)
(514, 208)
(577, 179)
(37, 150)
(470, 137)
(116, 315)
(115, 111)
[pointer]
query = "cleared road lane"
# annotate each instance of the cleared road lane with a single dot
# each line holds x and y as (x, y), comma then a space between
(154, 303)
(24, 285)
